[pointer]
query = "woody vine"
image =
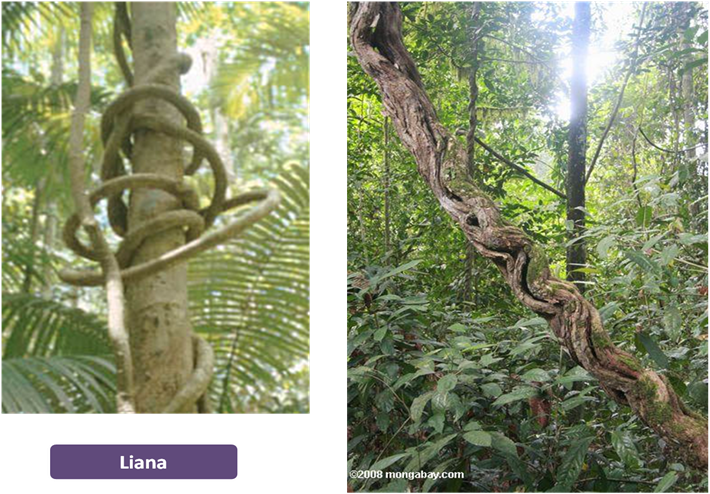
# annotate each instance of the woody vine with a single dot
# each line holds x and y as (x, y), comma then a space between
(376, 38)
(163, 225)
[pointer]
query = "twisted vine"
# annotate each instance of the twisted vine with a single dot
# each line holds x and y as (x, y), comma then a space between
(118, 124)
(376, 38)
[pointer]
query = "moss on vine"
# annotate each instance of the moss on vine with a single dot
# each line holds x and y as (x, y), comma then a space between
(537, 265)
(658, 412)
(631, 362)
(458, 182)
(601, 339)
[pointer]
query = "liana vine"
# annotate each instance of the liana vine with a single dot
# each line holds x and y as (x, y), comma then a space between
(118, 124)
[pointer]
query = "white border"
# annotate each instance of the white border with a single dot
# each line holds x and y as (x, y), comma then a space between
(239, 469)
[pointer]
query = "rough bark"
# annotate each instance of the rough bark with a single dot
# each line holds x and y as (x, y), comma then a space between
(375, 35)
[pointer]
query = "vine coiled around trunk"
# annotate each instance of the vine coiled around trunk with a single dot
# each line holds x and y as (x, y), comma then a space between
(118, 124)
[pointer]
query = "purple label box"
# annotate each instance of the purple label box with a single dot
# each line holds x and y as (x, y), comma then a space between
(143, 462)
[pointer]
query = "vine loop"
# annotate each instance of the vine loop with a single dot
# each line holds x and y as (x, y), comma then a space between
(119, 123)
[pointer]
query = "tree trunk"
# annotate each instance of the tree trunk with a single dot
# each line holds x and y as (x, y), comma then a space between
(157, 316)
(376, 38)
(576, 164)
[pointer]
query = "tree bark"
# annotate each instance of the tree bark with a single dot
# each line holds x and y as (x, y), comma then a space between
(376, 38)
(576, 163)
(158, 319)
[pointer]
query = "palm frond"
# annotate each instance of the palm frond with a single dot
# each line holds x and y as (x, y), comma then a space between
(269, 65)
(56, 384)
(250, 299)
(37, 327)
(21, 257)
(22, 21)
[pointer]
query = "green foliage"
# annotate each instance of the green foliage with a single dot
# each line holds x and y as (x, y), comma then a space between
(250, 300)
(73, 384)
(34, 326)
(478, 438)
(624, 445)
(571, 465)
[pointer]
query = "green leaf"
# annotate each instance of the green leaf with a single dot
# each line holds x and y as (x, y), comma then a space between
(690, 239)
(458, 328)
(626, 449)
(587, 270)
(430, 481)
(436, 422)
(419, 404)
(358, 371)
(669, 253)
(400, 269)
(478, 438)
(491, 390)
(487, 360)
(430, 451)
(503, 444)
(571, 465)
(446, 383)
(440, 401)
(695, 63)
(536, 375)
(575, 401)
(672, 321)
(604, 245)
(389, 461)
(383, 421)
(608, 310)
(644, 216)
(654, 351)
(574, 375)
(480, 320)
(477, 347)
(383, 298)
(518, 393)
(698, 392)
(666, 482)
(641, 260)
(529, 343)
(689, 33)
(472, 426)
(535, 321)
(380, 334)
(651, 242)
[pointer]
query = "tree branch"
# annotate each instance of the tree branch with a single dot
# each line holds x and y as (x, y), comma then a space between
(520, 169)
(680, 151)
